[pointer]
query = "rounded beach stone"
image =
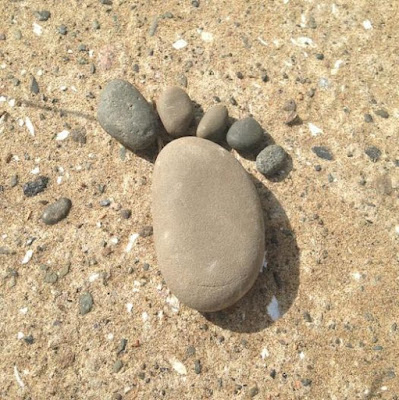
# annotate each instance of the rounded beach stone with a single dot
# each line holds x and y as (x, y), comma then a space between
(271, 160)
(176, 111)
(125, 114)
(208, 224)
(213, 124)
(245, 135)
(57, 211)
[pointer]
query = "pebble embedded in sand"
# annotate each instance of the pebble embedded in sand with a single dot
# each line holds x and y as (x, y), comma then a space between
(245, 135)
(125, 114)
(175, 110)
(271, 160)
(208, 224)
(57, 211)
(213, 124)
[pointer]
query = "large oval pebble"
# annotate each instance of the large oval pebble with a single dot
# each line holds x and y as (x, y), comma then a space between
(208, 224)
(125, 114)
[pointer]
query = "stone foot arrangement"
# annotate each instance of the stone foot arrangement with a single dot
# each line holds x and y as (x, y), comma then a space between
(207, 217)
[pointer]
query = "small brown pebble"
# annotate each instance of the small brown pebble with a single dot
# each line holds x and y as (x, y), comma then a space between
(146, 231)
(290, 105)
(126, 214)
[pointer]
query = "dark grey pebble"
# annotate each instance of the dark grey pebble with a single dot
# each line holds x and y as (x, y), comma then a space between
(50, 277)
(374, 153)
(146, 266)
(126, 214)
(382, 113)
(197, 366)
(106, 2)
(217, 99)
(85, 303)
(92, 68)
(273, 373)
(125, 114)
(306, 382)
(29, 339)
(122, 346)
(271, 160)
(320, 56)
(117, 366)
(239, 75)
(253, 392)
(195, 3)
(368, 118)
(317, 168)
(136, 68)
(245, 135)
(57, 211)
(233, 101)
(82, 47)
(34, 86)
(105, 203)
(62, 30)
(322, 152)
(35, 187)
(43, 15)
(264, 77)
(293, 119)
(146, 231)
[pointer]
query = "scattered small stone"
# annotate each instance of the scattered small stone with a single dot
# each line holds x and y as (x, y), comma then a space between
(62, 30)
(96, 25)
(306, 382)
(271, 160)
(378, 348)
(307, 317)
(126, 214)
(190, 351)
(136, 68)
(79, 135)
(182, 80)
(197, 367)
(322, 152)
(217, 99)
(245, 135)
(146, 266)
(374, 153)
(16, 82)
(5, 251)
(265, 77)
(311, 92)
(167, 15)
(106, 2)
(2, 36)
(239, 75)
(29, 339)
(122, 346)
(320, 56)
(50, 277)
(146, 231)
(57, 211)
(85, 303)
(14, 181)
(153, 27)
(117, 366)
(82, 47)
(35, 187)
(116, 396)
(330, 178)
(233, 101)
(290, 105)
(368, 118)
(175, 110)
(64, 271)
(195, 3)
(34, 86)
(273, 373)
(105, 203)
(213, 124)
(42, 15)
(293, 119)
(312, 23)
(382, 113)
(126, 115)
(317, 168)
(253, 392)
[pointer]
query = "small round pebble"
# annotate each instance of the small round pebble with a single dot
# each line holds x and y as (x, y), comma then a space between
(176, 111)
(213, 124)
(368, 118)
(320, 56)
(245, 135)
(126, 214)
(374, 153)
(57, 211)
(85, 303)
(271, 160)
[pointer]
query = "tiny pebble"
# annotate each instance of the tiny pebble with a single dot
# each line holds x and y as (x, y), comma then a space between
(239, 75)
(320, 56)
(57, 211)
(117, 366)
(317, 168)
(271, 160)
(126, 214)
(307, 317)
(42, 15)
(290, 105)
(374, 153)
(14, 181)
(146, 231)
(253, 392)
(195, 3)
(322, 152)
(29, 339)
(306, 382)
(85, 303)
(197, 367)
(34, 86)
(50, 277)
(233, 101)
(368, 118)
(273, 373)
(96, 25)
(35, 187)
(62, 30)
(190, 351)
(105, 203)
(382, 113)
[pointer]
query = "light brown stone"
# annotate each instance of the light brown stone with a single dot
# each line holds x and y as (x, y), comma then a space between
(213, 124)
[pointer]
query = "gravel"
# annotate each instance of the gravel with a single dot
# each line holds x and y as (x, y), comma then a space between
(34, 86)
(253, 392)
(43, 15)
(382, 113)
(85, 303)
(197, 367)
(323, 152)
(271, 160)
(50, 277)
(35, 187)
(374, 153)
(368, 118)
(126, 214)
(117, 366)
(62, 30)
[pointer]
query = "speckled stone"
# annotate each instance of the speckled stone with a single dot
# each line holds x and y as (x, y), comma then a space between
(245, 135)
(125, 114)
(57, 211)
(271, 160)
(208, 224)
(213, 124)
(85, 303)
(175, 110)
